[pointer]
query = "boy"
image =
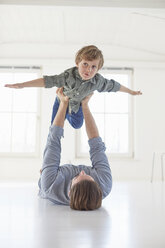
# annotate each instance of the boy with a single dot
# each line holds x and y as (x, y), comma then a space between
(78, 82)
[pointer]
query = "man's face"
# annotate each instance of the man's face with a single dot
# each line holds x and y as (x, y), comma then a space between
(81, 176)
(88, 69)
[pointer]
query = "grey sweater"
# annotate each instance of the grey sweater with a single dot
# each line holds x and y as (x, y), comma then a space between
(55, 180)
(77, 89)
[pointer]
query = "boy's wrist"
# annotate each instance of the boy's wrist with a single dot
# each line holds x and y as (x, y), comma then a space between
(131, 92)
(21, 85)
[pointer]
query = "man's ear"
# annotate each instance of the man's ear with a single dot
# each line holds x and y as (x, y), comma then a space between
(69, 193)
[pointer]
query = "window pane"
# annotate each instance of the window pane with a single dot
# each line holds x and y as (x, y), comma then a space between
(97, 102)
(116, 129)
(84, 140)
(25, 99)
(23, 77)
(24, 129)
(112, 112)
(5, 93)
(5, 132)
(18, 113)
(99, 118)
(116, 102)
(121, 78)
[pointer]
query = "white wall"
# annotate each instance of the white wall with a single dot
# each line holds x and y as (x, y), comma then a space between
(149, 123)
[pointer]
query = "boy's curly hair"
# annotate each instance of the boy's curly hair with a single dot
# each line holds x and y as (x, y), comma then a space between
(90, 53)
(85, 195)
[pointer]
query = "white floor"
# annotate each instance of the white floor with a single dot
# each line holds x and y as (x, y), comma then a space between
(133, 216)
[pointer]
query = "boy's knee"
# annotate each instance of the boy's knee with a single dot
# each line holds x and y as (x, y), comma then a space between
(78, 126)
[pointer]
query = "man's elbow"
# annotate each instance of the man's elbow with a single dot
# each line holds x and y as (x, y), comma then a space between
(107, 190)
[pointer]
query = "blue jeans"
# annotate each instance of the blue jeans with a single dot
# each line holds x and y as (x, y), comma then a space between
(75, 119)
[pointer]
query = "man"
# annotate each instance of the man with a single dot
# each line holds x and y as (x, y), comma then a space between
(82, 187)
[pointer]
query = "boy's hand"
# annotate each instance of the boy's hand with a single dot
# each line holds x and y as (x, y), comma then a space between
(62, 97)
(15, 86)
(134, 93)
(87, 98)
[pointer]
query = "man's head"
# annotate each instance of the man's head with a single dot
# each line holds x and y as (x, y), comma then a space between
(85, 194)
(89, 60)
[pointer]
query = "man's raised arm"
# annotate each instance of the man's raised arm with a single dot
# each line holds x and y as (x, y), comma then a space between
(52, 152)
(97, 149)
(91, 128)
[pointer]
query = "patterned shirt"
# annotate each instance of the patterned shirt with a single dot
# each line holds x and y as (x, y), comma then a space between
(77, 89)
(55, 180)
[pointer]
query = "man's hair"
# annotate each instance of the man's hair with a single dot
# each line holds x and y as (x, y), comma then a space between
(85, 195)
(89, 53)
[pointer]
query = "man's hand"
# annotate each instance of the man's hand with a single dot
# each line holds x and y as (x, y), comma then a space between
(15, 86)
(61, 96)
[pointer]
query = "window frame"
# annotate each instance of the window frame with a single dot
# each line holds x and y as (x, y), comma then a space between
(79, 154)
(26, 69)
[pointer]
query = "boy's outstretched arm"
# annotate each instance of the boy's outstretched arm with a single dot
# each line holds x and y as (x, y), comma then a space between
(33, 83)
(127, 90)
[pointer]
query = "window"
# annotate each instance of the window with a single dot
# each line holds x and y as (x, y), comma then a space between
(19, 113)
(113, 115)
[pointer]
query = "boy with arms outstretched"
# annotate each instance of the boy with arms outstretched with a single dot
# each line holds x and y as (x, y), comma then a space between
(78, 82)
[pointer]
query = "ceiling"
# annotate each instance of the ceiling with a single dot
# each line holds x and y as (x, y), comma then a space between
(50, 31)
(92, 3)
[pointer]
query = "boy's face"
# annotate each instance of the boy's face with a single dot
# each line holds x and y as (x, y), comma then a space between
(88, 69)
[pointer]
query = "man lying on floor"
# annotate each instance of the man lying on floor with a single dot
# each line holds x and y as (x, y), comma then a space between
(82, 187)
